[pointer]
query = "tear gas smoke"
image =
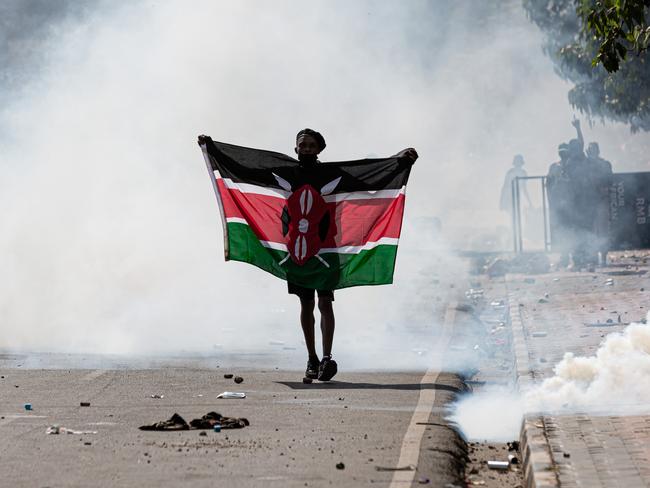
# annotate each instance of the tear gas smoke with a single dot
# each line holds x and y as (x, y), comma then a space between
(110, 237)
(615, 380)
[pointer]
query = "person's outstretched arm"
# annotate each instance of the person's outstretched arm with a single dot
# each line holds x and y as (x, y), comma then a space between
(576, 123)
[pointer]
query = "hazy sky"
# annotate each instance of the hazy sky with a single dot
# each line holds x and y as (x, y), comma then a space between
(113, 239)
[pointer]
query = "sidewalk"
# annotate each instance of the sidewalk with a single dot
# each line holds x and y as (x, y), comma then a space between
(572, 312)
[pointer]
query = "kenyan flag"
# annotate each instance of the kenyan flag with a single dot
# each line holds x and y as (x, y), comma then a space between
(322, 226)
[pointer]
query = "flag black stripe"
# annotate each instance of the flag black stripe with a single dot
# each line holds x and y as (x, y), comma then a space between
(257, 166)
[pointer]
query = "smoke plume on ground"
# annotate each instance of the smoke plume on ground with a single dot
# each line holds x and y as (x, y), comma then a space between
(615, 380)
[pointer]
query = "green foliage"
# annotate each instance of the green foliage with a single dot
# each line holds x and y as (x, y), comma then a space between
(601, 46)
(620, 26)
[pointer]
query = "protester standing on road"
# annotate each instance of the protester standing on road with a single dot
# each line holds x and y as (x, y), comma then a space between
(309, 144)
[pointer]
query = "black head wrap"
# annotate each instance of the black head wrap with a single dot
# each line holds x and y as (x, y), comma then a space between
(320, 140)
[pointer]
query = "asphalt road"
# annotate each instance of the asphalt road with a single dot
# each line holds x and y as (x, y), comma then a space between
(297, 435)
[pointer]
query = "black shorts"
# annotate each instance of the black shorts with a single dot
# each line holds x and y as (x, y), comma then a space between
(308, 293)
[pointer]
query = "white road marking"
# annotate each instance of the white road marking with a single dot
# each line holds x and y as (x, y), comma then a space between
(410, 451)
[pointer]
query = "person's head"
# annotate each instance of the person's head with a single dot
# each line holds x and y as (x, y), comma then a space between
(575, 148)
(593, 151)
(309, 145)
(563, 151)
(518, 161)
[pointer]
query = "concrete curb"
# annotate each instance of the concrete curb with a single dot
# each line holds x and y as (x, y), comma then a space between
(539, 469)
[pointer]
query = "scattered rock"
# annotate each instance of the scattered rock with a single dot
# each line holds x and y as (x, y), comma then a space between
(228, 375)
(238, 379)
(340, 466)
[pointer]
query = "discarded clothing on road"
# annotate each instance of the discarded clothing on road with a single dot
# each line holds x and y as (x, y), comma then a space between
(208, 421)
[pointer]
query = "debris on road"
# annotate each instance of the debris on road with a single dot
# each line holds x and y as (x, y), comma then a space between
(228, 375)
(209, 421)
(216, 421)
(410, 467)
(84, 404)
(307, 381)
(175, 422)
(155, 395)
(28, 406)
(55, 429)
(513, 446)
(513, 459)
(502, 465)
(238, 379)
(231, 394)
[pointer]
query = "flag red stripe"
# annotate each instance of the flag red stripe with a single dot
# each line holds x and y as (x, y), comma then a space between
(357, 221)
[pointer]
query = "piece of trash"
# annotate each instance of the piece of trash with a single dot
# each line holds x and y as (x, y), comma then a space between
(55, 429)
(539, 334)
(498, 465)
(231, 394)
(340, 466)
(556, 279)
(513, 459)
(203, 433)
(84, 404)
(228, 375)
(609, 282)
(497, 303)
(307, 381)
(410, 467)
(28, 406)
(513, 446)
(566, 454)
(208, 421)
(423, 481)
(88, 443)
(155, 395)
(175, 422)
(215, 421)
(238, 379)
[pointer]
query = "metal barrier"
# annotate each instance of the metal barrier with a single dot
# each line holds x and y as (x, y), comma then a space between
(517, 229)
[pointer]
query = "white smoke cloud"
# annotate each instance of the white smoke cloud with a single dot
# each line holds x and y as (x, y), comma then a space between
(615, 380)
(110, 236)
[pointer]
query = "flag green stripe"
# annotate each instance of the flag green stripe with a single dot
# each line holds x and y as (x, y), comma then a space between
(369, 267)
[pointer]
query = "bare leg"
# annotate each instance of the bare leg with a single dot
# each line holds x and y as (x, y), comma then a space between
(326, 324)
(307, 322)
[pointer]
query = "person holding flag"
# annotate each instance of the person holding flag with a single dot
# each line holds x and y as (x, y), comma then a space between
(319, 226)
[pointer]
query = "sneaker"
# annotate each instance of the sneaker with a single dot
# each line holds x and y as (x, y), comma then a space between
(312, 369)
(327, 369)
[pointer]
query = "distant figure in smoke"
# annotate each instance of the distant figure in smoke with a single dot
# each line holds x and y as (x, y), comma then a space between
(517, 171)
(601, 176)
(558, 184)
(577, 193)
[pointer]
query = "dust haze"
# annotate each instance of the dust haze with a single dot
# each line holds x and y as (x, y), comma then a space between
(110, 240)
